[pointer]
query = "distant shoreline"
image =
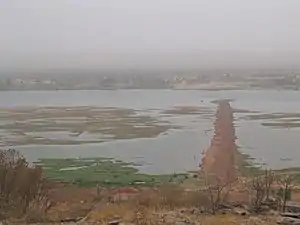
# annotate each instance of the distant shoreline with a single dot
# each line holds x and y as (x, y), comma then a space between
(174, 89)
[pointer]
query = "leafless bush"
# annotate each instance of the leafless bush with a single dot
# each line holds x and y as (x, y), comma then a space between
(287, 183)
(261, 190)
(217, 191)
(257, 188)
(20, 185)
(269, 180)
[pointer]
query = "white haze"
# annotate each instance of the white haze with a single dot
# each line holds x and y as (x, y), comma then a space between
(97, 34)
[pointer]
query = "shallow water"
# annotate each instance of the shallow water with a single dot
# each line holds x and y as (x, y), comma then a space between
(268, 100)
(178, 150)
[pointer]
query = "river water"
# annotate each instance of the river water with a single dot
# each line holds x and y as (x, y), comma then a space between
(178, 150)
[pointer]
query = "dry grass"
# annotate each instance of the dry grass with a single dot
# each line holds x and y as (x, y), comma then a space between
(142, 215)
(112, 211)
(151, 206)
(235, 220)
(172, 197)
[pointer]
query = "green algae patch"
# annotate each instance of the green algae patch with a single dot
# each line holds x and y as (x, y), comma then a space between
(102, 171)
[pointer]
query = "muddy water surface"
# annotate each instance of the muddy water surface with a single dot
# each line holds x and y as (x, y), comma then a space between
(185, 131)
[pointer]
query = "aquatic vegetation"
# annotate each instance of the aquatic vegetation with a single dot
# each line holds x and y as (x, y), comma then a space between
(101, 171)
(272, 116)
(97, 125)
(235, 110)
(189, 110)
(281, 124)
(277, 120)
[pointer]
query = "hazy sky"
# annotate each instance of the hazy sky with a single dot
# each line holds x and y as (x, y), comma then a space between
(136, 33)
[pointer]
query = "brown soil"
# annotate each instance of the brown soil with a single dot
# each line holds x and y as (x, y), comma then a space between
(219, 159)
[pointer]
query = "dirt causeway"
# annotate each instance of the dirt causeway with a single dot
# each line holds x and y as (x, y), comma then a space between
(219, 158)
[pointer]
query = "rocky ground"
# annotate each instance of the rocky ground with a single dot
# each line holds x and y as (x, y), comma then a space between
(164, 205)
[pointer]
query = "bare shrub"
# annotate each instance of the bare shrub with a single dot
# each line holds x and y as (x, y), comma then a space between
(287, 183)
(217, 191)
(20, 185)
(261, 190)
(257, 188)
(269, 180)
